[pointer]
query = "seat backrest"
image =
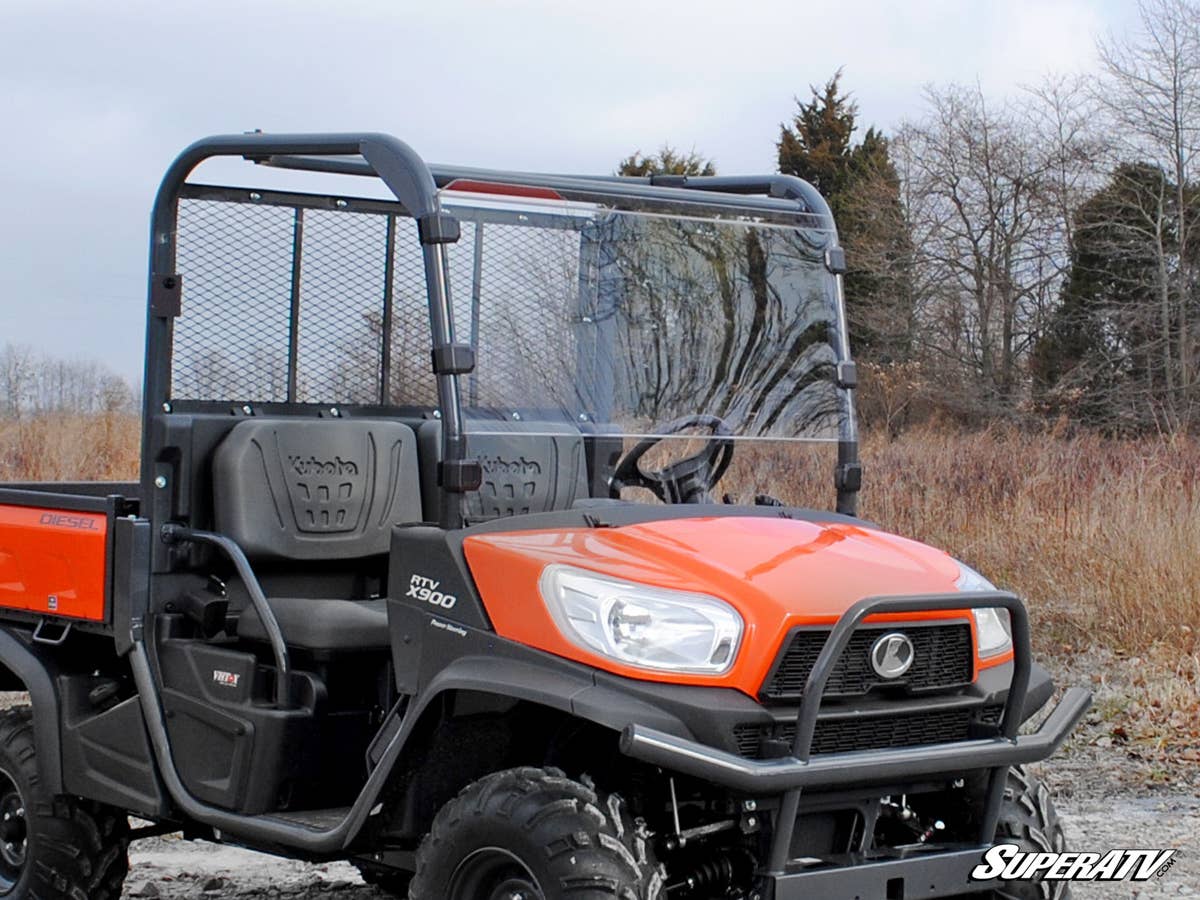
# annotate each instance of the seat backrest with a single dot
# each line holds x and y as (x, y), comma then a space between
(315, 489)
(528, 467)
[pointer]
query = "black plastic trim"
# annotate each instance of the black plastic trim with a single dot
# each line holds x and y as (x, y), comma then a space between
(616, 515)
(453, 359)
(835, 260)
(38, 675)
(438, 228)
(166, 295)
(460, 476)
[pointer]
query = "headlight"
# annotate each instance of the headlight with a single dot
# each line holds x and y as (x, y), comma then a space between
(993, 628)
(649, 627)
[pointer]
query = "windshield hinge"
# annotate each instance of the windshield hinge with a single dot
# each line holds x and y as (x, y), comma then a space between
(166, 296)
(835, 260)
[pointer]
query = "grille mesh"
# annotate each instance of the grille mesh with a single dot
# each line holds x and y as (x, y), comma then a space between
(876, 732)
(943, 659)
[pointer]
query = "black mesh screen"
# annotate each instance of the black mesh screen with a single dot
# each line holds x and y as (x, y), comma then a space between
(288, 302)
(232, 340)
(339, 338)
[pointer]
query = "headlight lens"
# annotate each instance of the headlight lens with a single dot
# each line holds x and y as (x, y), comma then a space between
(993, 627)
(645, 626)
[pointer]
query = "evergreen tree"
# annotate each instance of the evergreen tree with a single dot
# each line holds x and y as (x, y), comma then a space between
(861, 185)
(816, 146)
(668, 161)
(1105, 358)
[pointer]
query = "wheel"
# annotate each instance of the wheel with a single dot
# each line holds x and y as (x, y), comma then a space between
(534, 834)
(53, 847)
(1028, 819)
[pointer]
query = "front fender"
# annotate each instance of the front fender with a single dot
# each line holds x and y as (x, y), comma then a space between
(551, 683)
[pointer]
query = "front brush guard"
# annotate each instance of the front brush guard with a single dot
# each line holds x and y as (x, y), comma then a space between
(790, 775)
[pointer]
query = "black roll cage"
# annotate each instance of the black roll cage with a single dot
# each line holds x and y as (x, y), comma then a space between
(415, 185)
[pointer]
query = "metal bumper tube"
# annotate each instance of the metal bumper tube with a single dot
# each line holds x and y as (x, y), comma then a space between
(773, 776)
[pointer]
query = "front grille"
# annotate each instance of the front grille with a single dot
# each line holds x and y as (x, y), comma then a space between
(943, 659)
(842, 735)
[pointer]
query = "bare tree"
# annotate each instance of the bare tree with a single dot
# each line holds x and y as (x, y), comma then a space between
(1150, 97)
(17, 370)
(980, 186)
(31, 384)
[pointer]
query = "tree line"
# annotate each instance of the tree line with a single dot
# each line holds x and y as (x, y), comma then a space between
(1026, 257)
(33, 384)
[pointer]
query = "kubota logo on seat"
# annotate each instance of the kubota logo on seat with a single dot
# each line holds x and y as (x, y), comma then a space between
(313, 466)
(494, 465)
(892, 655)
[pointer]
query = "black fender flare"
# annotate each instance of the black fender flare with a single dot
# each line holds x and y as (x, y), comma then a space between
(37, 675)
(550, 683)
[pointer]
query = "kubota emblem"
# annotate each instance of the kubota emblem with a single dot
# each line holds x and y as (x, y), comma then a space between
(892, 655)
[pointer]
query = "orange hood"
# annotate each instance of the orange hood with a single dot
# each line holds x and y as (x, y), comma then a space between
(777, 572)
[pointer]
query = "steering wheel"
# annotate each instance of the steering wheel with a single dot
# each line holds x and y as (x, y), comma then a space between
(687, 481)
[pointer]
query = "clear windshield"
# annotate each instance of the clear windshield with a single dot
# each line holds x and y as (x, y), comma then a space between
(624, 323)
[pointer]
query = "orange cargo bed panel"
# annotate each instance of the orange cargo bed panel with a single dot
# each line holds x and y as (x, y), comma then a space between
(52, 561)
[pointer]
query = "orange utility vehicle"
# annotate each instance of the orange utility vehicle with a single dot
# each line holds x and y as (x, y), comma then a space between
(471, 545)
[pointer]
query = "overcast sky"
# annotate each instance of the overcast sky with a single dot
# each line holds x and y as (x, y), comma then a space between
(97, 97)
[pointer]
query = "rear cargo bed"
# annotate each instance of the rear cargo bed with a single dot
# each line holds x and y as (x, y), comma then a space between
(56, 548)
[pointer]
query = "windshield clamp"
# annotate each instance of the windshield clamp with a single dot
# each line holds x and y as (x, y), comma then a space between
(460, 476)
(847, 374)
(848, 477)
(438, 228)
(835, 260)
(453, 359)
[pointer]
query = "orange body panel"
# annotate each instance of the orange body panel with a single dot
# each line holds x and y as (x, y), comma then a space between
(52, 561)
(778, 573)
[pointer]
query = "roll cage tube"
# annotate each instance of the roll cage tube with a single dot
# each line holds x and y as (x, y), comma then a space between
(769, 193)
(410, 181)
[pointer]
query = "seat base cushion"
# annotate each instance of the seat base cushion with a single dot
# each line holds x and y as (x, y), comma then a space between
(320, 624)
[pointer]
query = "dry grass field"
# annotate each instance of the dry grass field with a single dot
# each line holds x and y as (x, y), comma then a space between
(102, 447)
(1101, 536)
